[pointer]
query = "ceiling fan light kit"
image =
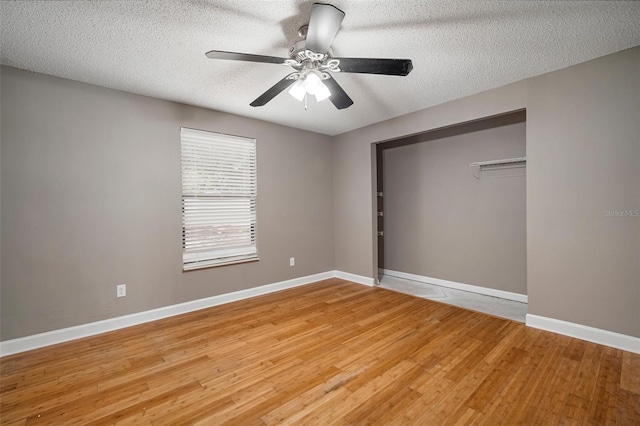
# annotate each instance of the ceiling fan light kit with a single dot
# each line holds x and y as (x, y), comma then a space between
(310, 83)
(313, 62)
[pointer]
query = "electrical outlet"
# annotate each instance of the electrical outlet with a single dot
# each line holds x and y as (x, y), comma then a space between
(292, 261)
(121, 290)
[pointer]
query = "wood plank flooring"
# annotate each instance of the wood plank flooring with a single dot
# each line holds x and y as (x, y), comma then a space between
(332, 352)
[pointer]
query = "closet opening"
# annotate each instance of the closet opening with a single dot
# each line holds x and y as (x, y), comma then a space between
(451, 215)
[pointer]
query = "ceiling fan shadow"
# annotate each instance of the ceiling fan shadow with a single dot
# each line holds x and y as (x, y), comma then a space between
(369, 90)
(289, 26)
(209, 5)
(523, 10)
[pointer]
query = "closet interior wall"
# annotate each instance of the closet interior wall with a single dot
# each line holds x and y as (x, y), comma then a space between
(441, 221)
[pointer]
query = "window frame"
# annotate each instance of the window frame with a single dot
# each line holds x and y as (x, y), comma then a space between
(193, 259)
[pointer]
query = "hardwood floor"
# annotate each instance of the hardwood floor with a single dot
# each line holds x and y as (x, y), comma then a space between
(333, 352)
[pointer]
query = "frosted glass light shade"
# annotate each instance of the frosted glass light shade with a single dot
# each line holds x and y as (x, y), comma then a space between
(312, 82)
(298, 90)
(322, 92)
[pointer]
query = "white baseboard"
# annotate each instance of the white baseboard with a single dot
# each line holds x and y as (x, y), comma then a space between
(35, 341)
(458, 286)
(584, 332)
(355, 278)
(591, 334)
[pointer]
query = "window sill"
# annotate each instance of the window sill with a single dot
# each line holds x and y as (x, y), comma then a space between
(215, 265)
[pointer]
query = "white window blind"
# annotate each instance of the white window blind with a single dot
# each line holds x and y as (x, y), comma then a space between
(219, 188)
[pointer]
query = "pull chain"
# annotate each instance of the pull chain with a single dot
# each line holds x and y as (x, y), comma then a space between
(305, 101)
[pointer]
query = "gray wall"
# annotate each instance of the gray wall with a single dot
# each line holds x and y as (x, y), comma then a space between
(442, 222)
(90, 188)
(91, 198)
(583, 134)
(583, 151)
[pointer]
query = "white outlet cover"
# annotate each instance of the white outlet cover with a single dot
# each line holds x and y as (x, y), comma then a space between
(292, 261)
(121, 290)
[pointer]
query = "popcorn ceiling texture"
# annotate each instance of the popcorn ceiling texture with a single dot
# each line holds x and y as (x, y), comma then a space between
(156, 48)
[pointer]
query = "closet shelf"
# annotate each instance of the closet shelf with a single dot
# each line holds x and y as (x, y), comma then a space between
(505, 161)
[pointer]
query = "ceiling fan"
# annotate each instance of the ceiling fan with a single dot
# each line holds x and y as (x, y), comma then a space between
(312, 59)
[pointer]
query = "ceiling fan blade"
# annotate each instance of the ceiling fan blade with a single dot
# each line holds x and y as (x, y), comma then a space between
(324, 24)
(273, 91)
(338, 96)
(219, 54)
(376, 66)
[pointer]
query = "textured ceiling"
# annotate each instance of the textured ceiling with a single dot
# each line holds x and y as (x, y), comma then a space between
(458, 48)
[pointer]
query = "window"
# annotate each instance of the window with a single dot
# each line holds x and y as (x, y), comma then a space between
(219, 187)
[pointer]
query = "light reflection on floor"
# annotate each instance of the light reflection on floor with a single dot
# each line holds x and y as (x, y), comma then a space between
(478, 302)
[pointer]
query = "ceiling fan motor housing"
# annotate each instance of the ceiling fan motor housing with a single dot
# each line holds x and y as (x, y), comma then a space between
(297, 51)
